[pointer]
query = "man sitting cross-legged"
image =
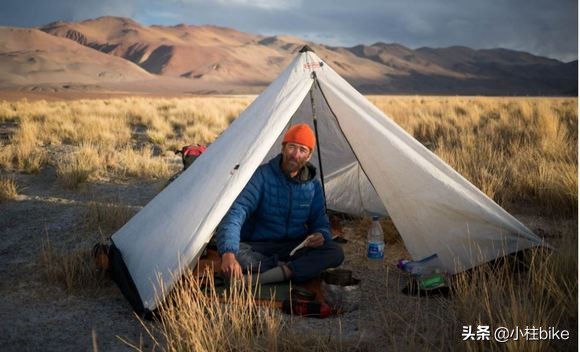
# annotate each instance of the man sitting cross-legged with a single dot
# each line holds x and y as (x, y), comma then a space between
(280, 207)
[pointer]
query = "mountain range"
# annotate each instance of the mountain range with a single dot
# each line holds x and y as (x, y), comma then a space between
(119, 54)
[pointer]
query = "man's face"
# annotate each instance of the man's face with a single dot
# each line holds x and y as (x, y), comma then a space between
(294, 157)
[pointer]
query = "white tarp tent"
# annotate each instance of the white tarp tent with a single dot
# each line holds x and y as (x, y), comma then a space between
(369, 164)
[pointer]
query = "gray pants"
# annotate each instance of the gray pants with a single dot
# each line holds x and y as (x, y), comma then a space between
(305, 264)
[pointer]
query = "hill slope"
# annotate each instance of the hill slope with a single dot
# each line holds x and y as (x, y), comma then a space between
(217, 59)
(34, 59)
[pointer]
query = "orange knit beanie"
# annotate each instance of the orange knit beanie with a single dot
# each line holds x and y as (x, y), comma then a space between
(301, 134)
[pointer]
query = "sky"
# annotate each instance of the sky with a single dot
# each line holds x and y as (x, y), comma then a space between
(541, 27)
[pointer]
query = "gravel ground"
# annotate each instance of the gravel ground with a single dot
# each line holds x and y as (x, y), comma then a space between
(38, 315)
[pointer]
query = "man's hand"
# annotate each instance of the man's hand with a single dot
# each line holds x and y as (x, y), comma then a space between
(315, 240)
(230, 266)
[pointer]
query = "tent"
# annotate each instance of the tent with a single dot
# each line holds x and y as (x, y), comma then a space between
(369, 165)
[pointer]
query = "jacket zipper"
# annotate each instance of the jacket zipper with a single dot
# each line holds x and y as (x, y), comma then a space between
(289, 207)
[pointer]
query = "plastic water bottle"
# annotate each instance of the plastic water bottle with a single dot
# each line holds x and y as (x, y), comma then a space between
(375, 244)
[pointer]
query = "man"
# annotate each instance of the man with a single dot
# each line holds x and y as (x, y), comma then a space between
(280, 207)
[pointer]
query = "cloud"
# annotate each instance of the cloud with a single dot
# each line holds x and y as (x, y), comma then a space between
(264, 4)
(278, 5)
(83, 10)
(32, 13)
(417, 25)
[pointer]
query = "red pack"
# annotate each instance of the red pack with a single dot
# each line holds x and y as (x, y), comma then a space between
(189, 153)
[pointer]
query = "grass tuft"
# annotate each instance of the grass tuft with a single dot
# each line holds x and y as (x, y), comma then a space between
(8, 188)
(109, 216)
(74, 169)
(72, 270)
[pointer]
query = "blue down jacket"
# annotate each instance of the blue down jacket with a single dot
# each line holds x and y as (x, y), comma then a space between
(274, 207)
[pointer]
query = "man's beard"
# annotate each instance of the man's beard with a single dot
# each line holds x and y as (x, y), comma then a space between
(293, 165)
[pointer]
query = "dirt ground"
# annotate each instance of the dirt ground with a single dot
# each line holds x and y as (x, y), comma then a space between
(38, 315)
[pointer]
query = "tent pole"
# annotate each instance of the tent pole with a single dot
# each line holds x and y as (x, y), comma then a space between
(315, 122)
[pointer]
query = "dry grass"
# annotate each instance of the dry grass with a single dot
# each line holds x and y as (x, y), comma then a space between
(494, 297)
(194, 321)
(72, 270)
(78, 167)
(544, 295)
(108, 217)
(23, 153)
(514, 149)
(8, 188)
(196, 317)
(116, 136)
(140, 163)
(538, 290)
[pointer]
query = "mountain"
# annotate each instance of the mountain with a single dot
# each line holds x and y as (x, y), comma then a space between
(462, 70)
(205, 53)
(211, 59)
(188, 51)
(33, 59)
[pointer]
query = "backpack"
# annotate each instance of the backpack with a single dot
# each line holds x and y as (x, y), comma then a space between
(189, 153)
